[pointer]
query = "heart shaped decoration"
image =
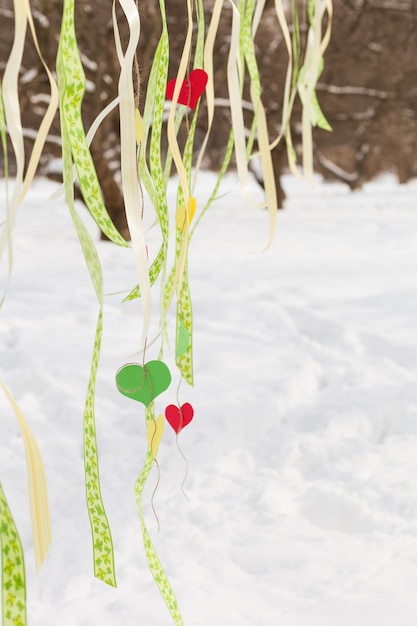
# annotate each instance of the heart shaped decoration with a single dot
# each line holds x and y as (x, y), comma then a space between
(145, 383)
(178, 418)
(191, 90)
(154, 433)
(181, 214)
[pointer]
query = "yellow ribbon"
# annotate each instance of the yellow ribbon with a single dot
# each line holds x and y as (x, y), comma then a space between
(38, 493)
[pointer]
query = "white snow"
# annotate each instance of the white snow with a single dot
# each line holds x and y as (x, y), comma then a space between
(303, 450)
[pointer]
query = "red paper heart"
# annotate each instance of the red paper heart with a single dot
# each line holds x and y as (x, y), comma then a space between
(179, 417)
(191, 89)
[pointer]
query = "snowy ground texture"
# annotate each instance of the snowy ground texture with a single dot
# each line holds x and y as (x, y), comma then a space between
(303, 450)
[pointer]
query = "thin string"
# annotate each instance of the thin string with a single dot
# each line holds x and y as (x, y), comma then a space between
(178, 445)
(146, 371)
(131, 390)
(142, 196)
(137, 100)
(187, 112)
(144, 352)
(178, 400)
(156, 488)
(186, 468)
(136, 71)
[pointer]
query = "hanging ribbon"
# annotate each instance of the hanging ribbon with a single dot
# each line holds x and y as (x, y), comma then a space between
(261, 126)
(154, 563)
(152, 177)
(12, 570)
(10, 119)
(71, 81)
(184, 216)
(11, 107)
(72, 88)
(235, 86)
(38, 494)
(11, 111)
(309, 74)
(291, 78)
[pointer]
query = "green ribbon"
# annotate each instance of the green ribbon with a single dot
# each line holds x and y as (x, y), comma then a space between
(184, 315)
(13, 568)
(154, 563)
(71, 83)
(72, 89)
(184, 322)
(317, 115)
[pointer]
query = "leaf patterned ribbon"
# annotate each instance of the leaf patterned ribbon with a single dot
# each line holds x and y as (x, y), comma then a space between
(154, 563)
(71, 82)
(12, 569)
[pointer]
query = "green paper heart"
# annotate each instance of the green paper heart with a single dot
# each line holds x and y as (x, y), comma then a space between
(143, 383)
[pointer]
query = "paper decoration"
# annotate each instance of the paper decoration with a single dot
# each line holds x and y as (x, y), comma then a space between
(145, 383)
(10, 110)
(13, 569)
(191, 90)
(138, 127)
(128, 156)
(103, 551)
(184, 218)
(38, 492)
(71, 81)
(154, 433)
(179, 417)
(154, 563)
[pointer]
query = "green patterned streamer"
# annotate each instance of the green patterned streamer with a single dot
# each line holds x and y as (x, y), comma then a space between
(154, 563)
(296, 50)
(102, 540)
(13, 569)
(247, 54)
(157, 96)
(184, 317)
(103, 553)
(248, 50)
(72, 88)
(184, 331)
(154, 272)
(317, 117)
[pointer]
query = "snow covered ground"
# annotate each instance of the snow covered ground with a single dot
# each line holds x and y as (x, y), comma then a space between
(303, 450)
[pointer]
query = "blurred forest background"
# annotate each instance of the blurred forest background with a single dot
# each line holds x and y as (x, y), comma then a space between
(368, 89)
